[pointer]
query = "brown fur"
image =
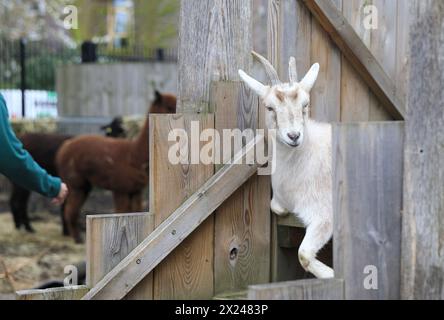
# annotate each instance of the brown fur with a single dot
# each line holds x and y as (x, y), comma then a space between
(118, 165)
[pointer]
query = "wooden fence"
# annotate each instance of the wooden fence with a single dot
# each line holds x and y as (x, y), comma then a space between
(212, 232)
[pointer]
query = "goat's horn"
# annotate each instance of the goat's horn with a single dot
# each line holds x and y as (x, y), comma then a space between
(292, 71)
(269, 69)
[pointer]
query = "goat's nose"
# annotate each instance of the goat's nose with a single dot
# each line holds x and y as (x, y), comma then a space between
(294, 136)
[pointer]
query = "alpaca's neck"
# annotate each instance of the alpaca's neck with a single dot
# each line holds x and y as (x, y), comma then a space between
(140, 153)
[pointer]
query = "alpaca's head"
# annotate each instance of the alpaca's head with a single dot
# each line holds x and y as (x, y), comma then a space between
(163, 103)
(286, 103)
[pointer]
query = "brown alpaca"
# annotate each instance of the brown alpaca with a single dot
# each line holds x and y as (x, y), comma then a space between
(118, 165)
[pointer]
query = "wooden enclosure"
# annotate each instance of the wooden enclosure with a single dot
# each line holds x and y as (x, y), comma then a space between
(210, 232)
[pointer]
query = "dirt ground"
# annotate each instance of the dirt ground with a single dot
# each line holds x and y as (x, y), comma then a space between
(28, 260)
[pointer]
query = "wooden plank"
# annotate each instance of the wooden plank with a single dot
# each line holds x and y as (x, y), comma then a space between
(109, 239)
(383, 47)
(188, 272)
(287, 238)
(355, 94)
(239, 295)
(242, 223)
(179, 225)
(290, 220)
(326, 94)
(106, 90)
(405, 18)
(64, 293)
(367, 206)
(311, 289)
(215, 41)
(260, 16)
(423, 223)
(353, 48)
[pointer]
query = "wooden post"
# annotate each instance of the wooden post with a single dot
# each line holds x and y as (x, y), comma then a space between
(326, 94)
(367, 202)
(214, 42)
(187, 273)
(64, 293)
(423, 223)
(311, 289)
(242, 225)
(110, 238)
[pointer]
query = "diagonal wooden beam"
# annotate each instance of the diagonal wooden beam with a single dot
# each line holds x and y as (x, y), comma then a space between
(354, 49)
(180, 224)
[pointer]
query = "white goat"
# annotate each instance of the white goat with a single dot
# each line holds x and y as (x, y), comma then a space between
(302, 180)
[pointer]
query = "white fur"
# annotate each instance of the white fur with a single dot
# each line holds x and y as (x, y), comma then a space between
(302, 180)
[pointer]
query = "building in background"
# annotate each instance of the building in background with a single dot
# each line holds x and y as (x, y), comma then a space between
(125, 30)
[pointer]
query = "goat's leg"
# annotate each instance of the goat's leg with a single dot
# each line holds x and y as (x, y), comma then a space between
(277, 208)
(122, 202)
(74, 203)
(318, 233)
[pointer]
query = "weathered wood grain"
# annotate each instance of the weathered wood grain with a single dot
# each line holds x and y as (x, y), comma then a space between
(109, 239)
(310, 289)
(367, 202)
(187, 273)
(65, 293)
(107, 90)
(178, 226)
(215, 40)
(326, 94)
(290, 220)
(355, 94)
(353, 48)
(423, 218)
(383, 46)
(242, 223)
(405, 19)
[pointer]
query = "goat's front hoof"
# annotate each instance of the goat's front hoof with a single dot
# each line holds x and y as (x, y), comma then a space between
(278, 209)
(282, 214)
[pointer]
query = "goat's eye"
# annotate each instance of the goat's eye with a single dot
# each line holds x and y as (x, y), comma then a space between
(270, 108)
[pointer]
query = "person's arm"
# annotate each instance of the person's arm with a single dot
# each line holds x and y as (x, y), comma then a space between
(18, 165)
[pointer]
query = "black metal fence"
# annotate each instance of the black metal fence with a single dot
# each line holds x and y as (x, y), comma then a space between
(31, 65)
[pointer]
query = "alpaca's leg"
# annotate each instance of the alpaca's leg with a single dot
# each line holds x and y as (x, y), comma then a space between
(14, 204)
(136, 202)
(277, 208)
(318, 233)
(65, 230)
(122, 202)
(73, 204)
(18, 203)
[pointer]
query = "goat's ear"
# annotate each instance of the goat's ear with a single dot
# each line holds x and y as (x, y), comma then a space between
(253, 84)
(310, 78)
(158, 96)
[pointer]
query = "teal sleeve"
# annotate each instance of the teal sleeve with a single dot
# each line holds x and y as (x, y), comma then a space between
(18, 165)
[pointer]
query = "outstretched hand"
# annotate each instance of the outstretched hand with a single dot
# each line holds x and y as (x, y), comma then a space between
(63, 193)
